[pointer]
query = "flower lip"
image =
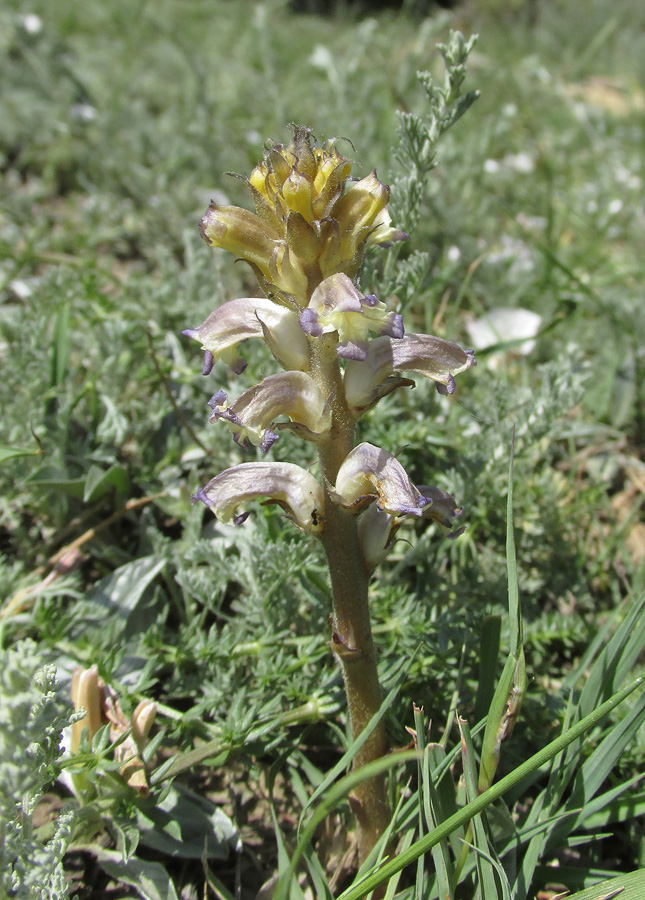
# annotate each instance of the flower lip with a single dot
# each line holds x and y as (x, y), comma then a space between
(292, 488)
(395, 327)
(352, 349)
(441, 505)
(423, 354)
(218, 398)
(369, 472)
(236, 320)
(252, 416)
(337, 305)
(310, 323)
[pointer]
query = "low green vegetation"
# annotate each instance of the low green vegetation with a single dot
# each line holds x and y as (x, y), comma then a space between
(118, 122)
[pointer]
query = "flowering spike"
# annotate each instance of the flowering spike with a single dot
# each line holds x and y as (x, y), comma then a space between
(305, 243)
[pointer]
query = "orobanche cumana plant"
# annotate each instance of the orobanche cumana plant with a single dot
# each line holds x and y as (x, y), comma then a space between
(341, 350)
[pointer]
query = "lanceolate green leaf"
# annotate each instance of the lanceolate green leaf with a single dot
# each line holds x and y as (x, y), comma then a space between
(149, 879)
(511, 688)
(15, 452)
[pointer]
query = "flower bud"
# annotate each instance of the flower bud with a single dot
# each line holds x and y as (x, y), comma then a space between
(299, 184)
(297, 192)
(142, 720)
(86, 694)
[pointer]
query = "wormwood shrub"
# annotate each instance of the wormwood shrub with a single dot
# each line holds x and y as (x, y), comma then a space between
(32, 717)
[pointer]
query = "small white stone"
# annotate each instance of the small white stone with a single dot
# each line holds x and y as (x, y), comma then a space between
(491, 166)
(83, 112)
(520, 162)
(32, 23)
(19, 289)
(504, 324)
(321, 58)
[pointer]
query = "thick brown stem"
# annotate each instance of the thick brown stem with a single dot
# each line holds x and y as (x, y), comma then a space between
(354, 647)
(352, 633)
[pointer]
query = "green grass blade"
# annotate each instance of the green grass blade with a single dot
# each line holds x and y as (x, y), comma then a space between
(335, 795)
(487, 885)
(616, 661)
(514, 609)
(594, 770)
(497, 866)
(488, 656)
(493, 793)
(424, 804)
(294, 891)
(622, 887)
(618, 808)
(430, 809)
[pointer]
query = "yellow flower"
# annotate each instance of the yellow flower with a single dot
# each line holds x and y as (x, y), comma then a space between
(307, 223)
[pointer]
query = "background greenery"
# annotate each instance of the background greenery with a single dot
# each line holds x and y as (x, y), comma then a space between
(118, 122)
